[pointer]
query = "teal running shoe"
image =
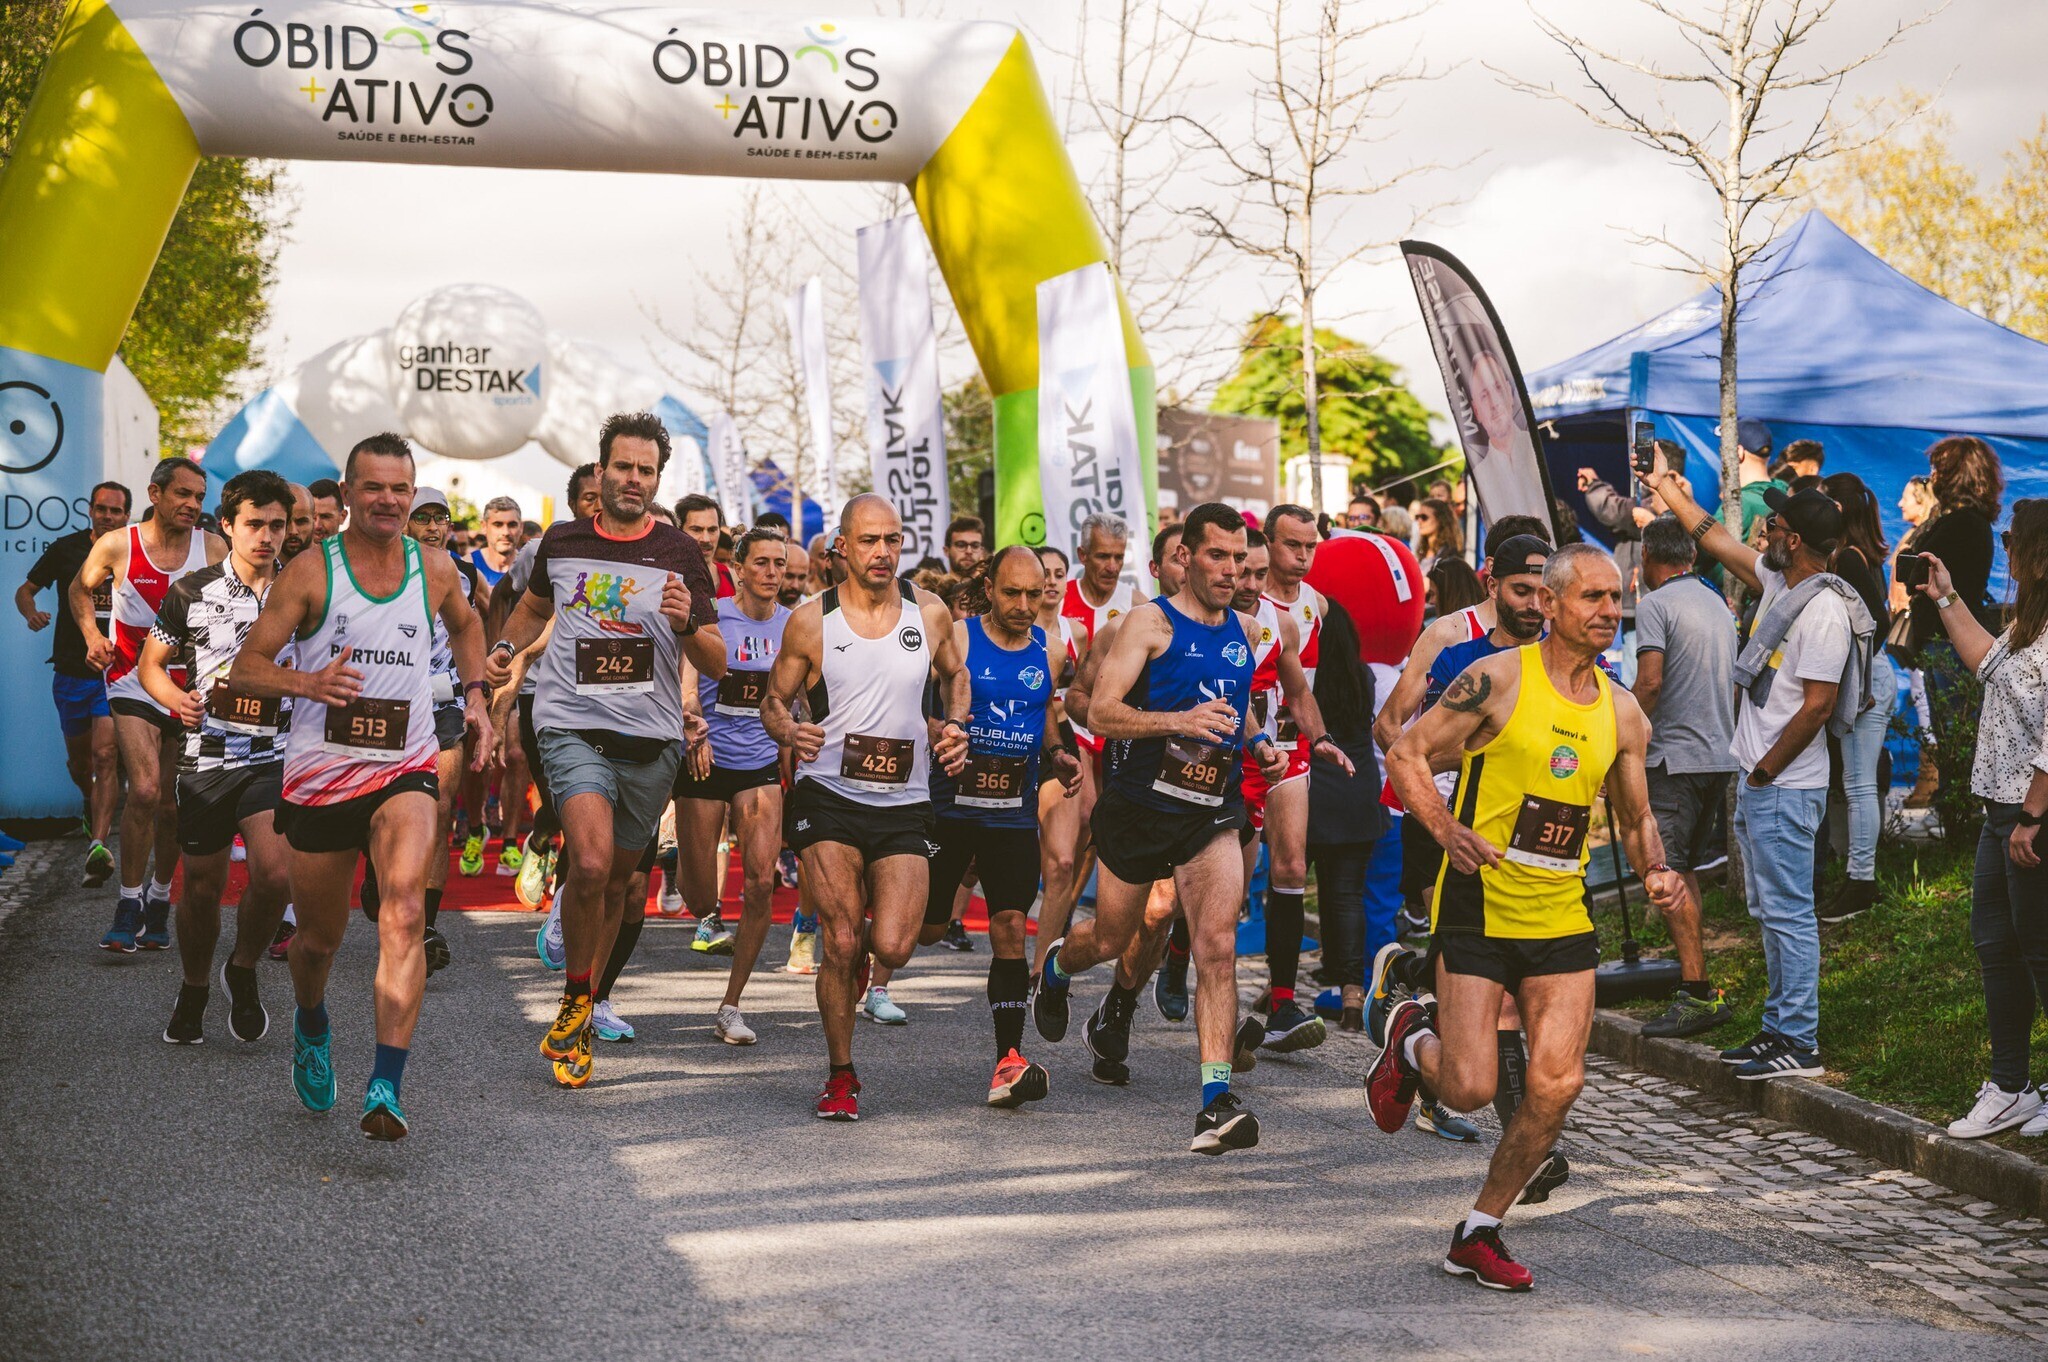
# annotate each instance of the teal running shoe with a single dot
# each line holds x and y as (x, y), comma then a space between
(547, 942)
(879, 1008)
(712, 938)
(382, 1117)
(312, 1073)
(1434, 1118)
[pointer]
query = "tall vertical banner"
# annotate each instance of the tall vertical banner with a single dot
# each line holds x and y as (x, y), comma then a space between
(1088, 458)
(729, 463)
(807, 335)
(1489, 401)
(900, 357)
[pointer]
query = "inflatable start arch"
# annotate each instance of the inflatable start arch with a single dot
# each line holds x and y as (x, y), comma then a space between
(137, 90)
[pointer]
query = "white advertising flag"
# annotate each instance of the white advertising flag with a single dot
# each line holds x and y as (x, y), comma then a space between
(807, 335)
(900, 356)
(728, 463)
(1087, 427)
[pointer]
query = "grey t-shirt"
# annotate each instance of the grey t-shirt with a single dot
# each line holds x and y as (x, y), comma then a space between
(1693, 729)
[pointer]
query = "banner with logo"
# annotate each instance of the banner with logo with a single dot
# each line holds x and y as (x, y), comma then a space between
(807, 339)
(1088, 459)
(728, 460)
(899, 352)
(1489, 401)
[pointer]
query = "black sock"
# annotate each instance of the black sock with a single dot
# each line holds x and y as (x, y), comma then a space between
(1009, 984)
(371, 897)
(193, 995)
(1122, 1002)
(1697, 988)
(1284, 916)
(1512, 1063)
(842, 1068)
(1177, 940)
(241, 978)
(433, 906)
(622, 951)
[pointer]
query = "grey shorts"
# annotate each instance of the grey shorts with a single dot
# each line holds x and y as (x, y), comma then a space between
(1684, 805)
(637, 791)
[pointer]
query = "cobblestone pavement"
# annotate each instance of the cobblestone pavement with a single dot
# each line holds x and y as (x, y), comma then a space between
(170, 1203)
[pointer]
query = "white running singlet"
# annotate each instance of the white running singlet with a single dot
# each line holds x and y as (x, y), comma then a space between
(388, 731)
(870, 701)
(138, 594)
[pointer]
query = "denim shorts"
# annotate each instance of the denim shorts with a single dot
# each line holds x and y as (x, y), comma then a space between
(637, 791)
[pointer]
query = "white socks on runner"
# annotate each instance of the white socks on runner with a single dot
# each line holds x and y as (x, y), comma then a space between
(158, 889)
(1477, 1220)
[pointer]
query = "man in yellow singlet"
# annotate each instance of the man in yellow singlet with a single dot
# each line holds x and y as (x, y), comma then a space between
(1535, 734)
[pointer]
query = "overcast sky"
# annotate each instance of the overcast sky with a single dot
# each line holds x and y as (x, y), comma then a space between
(1544, 202)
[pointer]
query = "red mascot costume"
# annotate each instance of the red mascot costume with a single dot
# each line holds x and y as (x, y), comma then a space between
(1378, 582)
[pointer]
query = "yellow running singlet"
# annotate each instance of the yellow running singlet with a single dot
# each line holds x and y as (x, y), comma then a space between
(1531, 793)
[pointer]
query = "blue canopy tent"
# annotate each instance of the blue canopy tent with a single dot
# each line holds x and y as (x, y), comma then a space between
(771, 491)
(1835, 346)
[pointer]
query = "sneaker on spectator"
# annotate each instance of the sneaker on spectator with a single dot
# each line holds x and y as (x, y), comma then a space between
(1996, 1110)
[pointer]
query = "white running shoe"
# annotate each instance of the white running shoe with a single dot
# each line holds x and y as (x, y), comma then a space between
(732, 1028)
(237, 853)
(671, 902)
(880, 1009)
(1998, 1110)
(2039, 1125)
(547, 942)
(610, 1025)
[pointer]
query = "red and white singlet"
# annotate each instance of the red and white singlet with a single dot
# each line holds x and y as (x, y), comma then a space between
(1081, 633)
(138, 594)
(1307, 612)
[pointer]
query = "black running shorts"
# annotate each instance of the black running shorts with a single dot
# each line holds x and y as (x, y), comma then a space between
(724, 784)
(815, 814)
(1509, 960)
(1005, 860)
(212, 804)
(346, 826)
(1141, 845)
(128, 706)
(449, 726)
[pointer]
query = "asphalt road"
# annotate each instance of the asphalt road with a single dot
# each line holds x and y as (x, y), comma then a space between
(177, 1203)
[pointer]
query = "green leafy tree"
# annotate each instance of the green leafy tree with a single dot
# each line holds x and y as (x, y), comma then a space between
(191, 342)
(970, 440)
(1368, 415)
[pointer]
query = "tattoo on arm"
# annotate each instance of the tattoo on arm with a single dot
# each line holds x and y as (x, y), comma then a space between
(1468, 693)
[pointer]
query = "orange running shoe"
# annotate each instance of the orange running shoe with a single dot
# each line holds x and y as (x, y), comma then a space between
(841, 1099)
(1017, 1081)
(574, 1071)
(560, 1040)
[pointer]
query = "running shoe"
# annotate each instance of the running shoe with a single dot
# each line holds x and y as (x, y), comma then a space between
(731, 1027)
(956, 938)
(246, 1017)
(1551, 1174)
(803, 953)
(281, 942)
(1017, 1081)
(712, 938)
(511, 859)
(670, 903)
(383, 1119)
(1783, 1060)
(547, 942)
(237, 853)
(1763, 1042)
(99, 865)
(841, 1099)
(1383, 990)
(531, 886)
(1170, 988)
(786, 868)
(1413, 922)
(187, 1018)
(1481, 1256)
(610, 1025)
(1688, 1016)
(1390, 1082)
(437, 951)
(1290, 1028)
(312, 1072)
(1434, 1118)
(573, 1069)
(1107, 1034)
(472, 862)
(1244, 1054)
(156, 925)
(571, 1021)
(1996, 1110)
(1049, 1000)
(1225, 1124)
(127, 924)
(879, 1008)
(2038, 1125)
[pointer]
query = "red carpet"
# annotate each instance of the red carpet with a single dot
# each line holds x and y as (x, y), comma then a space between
(491, 892)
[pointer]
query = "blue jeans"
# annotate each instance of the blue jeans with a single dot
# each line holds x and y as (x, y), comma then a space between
(1776, 829)
(1860, 751)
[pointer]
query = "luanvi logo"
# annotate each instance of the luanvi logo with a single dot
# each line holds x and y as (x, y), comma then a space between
(400, 86)
(797, 127)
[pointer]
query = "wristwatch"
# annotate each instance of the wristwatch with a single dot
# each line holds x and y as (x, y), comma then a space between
(1953, 598)
(2030, 820)
(1756, 771)
(504, 645)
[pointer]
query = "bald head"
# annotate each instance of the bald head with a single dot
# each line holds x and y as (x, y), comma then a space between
(871, 538)
(867, 504)
(298, 530)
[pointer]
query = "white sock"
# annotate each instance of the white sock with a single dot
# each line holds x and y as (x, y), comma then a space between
(158, 889)
(1408, 1049)
(131, 893)
(291, 915)
(1477, 1220)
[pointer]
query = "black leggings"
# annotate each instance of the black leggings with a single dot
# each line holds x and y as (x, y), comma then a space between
(545, 825)
(2009, 927)
(1340, 899)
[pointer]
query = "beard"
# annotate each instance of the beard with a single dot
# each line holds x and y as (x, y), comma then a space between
(1520, 626)
(1775, 558)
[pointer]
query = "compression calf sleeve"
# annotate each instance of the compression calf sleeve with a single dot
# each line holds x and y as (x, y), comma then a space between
(1512, 1066)
(1284, 918)
(1009, 985)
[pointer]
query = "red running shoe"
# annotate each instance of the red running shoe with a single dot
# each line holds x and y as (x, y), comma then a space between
(280, 945)
(1481, 1256)
(841, 1099)
(1017, 1081)
(1390, 1082)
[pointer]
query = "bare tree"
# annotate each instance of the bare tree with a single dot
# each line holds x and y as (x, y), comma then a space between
(1131, 63)
(1321, 103)
(1749, 138)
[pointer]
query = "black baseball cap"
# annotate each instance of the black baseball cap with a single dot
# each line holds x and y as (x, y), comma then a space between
(1519, 554)
(1812, 514)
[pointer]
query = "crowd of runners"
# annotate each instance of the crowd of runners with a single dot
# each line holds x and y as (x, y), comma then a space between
(310, 679)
